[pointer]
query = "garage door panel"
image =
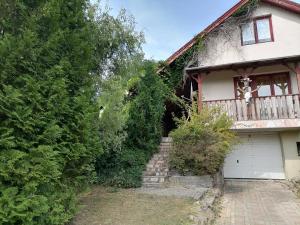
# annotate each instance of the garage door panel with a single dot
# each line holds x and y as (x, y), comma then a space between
(257, 156)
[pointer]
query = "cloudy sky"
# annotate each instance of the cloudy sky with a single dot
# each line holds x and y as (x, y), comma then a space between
(168, 24)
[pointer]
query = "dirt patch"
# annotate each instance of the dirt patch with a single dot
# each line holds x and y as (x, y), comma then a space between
(106, 206)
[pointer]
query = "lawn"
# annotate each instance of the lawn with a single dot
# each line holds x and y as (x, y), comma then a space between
(108, 206)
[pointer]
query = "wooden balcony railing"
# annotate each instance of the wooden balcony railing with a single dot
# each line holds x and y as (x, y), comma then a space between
(261, 108)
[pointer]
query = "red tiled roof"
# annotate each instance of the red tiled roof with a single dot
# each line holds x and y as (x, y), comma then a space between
(285, 4)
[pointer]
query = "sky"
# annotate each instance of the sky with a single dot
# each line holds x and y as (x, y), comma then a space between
(169, 24)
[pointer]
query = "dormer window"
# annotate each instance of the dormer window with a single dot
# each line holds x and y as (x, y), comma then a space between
(259, 30)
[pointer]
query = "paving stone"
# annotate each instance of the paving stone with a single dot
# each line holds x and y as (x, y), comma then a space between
(259, 203)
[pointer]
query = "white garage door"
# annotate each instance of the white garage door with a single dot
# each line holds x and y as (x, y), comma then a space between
(257, 157)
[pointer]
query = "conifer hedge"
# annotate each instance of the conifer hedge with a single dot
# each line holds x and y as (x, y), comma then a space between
(48, 112)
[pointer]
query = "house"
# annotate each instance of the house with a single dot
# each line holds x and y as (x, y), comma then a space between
(250, 67)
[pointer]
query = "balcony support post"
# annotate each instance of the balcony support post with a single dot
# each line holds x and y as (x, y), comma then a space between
(199, 79)
(297, 70)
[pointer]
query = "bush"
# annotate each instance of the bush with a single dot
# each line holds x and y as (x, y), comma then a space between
(124, 166)
(201, 142)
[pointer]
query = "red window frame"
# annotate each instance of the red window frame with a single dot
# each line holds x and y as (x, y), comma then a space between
(254, 85)
(254, 20)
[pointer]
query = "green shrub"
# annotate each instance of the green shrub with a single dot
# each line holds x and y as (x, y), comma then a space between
(201, 142)
(123, 166)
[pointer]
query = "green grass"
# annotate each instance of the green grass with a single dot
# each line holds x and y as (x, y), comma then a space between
(102, 206)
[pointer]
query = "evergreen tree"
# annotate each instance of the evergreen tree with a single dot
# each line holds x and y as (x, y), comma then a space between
(48, 110)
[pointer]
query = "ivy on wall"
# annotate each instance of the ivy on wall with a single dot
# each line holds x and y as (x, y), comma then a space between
(243, 11)
(173, 74)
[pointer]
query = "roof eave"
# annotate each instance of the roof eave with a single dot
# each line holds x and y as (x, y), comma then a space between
(286, 4)
(247, 64)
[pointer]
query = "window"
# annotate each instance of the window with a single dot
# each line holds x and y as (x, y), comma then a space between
(257, 31)
(263, 30)
(266, 85)
(248, 36)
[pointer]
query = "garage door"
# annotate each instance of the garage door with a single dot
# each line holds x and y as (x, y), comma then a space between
(257, 157)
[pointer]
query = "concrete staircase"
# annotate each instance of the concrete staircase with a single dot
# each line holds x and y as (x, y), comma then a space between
(157, 168)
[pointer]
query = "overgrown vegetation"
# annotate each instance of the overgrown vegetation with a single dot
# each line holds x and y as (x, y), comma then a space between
(201, 142)
(56, 59)
(173, 75)
(141, 132)
(246, 9)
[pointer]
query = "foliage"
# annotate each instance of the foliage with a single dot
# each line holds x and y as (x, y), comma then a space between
(119, 73)
(201, 142)
(123, 166)
(173, 74)
(55, 58)
(246, 9)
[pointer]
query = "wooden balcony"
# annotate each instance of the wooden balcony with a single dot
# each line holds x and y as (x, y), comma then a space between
(284, 111)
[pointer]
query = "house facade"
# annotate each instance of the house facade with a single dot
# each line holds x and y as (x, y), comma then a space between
(250, 67)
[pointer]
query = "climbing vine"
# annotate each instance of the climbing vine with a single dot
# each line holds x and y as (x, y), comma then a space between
(174, 75)
(246, 10)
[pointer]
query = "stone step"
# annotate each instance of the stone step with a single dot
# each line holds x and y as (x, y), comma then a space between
(157, 165)
(165, 145)
(164, 151)
(158, 158)
(152, 185)
(161, 154)
(154, 179)
(159, 162)
(166, 139)
(164, 174)
(164, 154)
(158, 170)
(155, 173)
(164, 157)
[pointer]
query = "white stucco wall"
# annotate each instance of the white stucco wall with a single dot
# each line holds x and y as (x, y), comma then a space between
(227, 49)
(219, 85)
(290, 155)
